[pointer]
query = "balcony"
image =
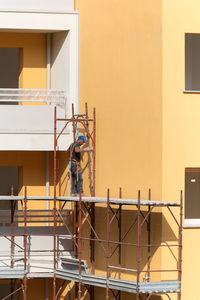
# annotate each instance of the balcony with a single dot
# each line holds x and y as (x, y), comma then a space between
(27, 119)
(47, 5)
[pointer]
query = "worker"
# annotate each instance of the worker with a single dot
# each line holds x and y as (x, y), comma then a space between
(75, 158)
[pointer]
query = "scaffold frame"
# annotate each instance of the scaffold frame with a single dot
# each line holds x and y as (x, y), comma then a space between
(76, 120)
(85, 209)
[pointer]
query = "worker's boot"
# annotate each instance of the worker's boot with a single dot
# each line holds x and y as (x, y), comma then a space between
(74, 194)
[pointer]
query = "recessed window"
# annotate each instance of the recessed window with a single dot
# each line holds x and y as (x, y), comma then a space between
(192, 196)
(9, 73)
(8, 178)
(192, 62)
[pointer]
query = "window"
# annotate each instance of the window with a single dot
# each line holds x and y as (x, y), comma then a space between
(8, 178)
(9, 74)
(192, 197)
(192, 62)
(9, 71)
(5, 291)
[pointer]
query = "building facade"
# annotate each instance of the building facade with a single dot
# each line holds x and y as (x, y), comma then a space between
(137, 63)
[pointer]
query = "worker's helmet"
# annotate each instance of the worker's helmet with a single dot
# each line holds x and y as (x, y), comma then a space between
(82, 137)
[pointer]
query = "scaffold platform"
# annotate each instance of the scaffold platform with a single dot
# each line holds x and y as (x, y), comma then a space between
(70, 271)
(101, 200)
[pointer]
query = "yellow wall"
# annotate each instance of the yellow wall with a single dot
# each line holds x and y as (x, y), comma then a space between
(32, 164)
(32, 75)
(33, 64)
(141, 109)
(181, 115)
(32, 171)
(121, 75)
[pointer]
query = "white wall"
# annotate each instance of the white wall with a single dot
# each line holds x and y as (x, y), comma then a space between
(34, 21)
(64, 70)
(64, 28)
(64, 75)
(60, 69)
(39, 242)
(49, 5)
(30, 127)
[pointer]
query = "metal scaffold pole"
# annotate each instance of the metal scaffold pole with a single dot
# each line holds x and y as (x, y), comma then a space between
(94, 152)
(180, 243)
(120, 236)
(138, 247)
(79, 243)
(73, 124)
(108, 244)
(12, 240)
(92, 243)
(54, 209)
(25, 244)
(149, 239)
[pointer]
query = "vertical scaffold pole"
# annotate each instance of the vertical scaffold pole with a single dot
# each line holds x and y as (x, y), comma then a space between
(180, 244)
(138, 247)
(79, 243)
(92, 215)
(25, 243)
(76, 248)
(76, 204)
(54, 209)
(108, 244)
(120, 237)
(92, 191)
(92, 242)
(89, 155)
(149, 238)
(94, 151)
(73, 123)
(12, 239)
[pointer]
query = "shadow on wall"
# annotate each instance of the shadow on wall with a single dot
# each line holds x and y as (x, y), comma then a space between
(168, 233)
(58, 40)
(62, 172)
(129, 253)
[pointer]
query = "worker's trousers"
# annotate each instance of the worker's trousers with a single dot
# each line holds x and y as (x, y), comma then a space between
(77, 179)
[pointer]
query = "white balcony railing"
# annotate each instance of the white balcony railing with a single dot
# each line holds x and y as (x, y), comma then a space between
(45, 96)
(27, 118)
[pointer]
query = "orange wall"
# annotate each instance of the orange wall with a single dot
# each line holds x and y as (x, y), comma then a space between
(121, 75)
(181, 115)
(33, 60)
(32, 164)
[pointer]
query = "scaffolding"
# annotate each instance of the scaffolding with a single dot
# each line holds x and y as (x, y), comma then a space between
(117, 285)
(76, 121)
(75, 268)
(85, 208)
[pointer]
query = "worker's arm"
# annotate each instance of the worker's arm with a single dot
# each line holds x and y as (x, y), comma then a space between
(79, 150)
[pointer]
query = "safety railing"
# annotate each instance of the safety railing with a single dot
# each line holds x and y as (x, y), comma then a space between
(33, 216)
(40, 96)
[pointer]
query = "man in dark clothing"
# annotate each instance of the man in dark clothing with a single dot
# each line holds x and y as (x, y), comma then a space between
(75, 158)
